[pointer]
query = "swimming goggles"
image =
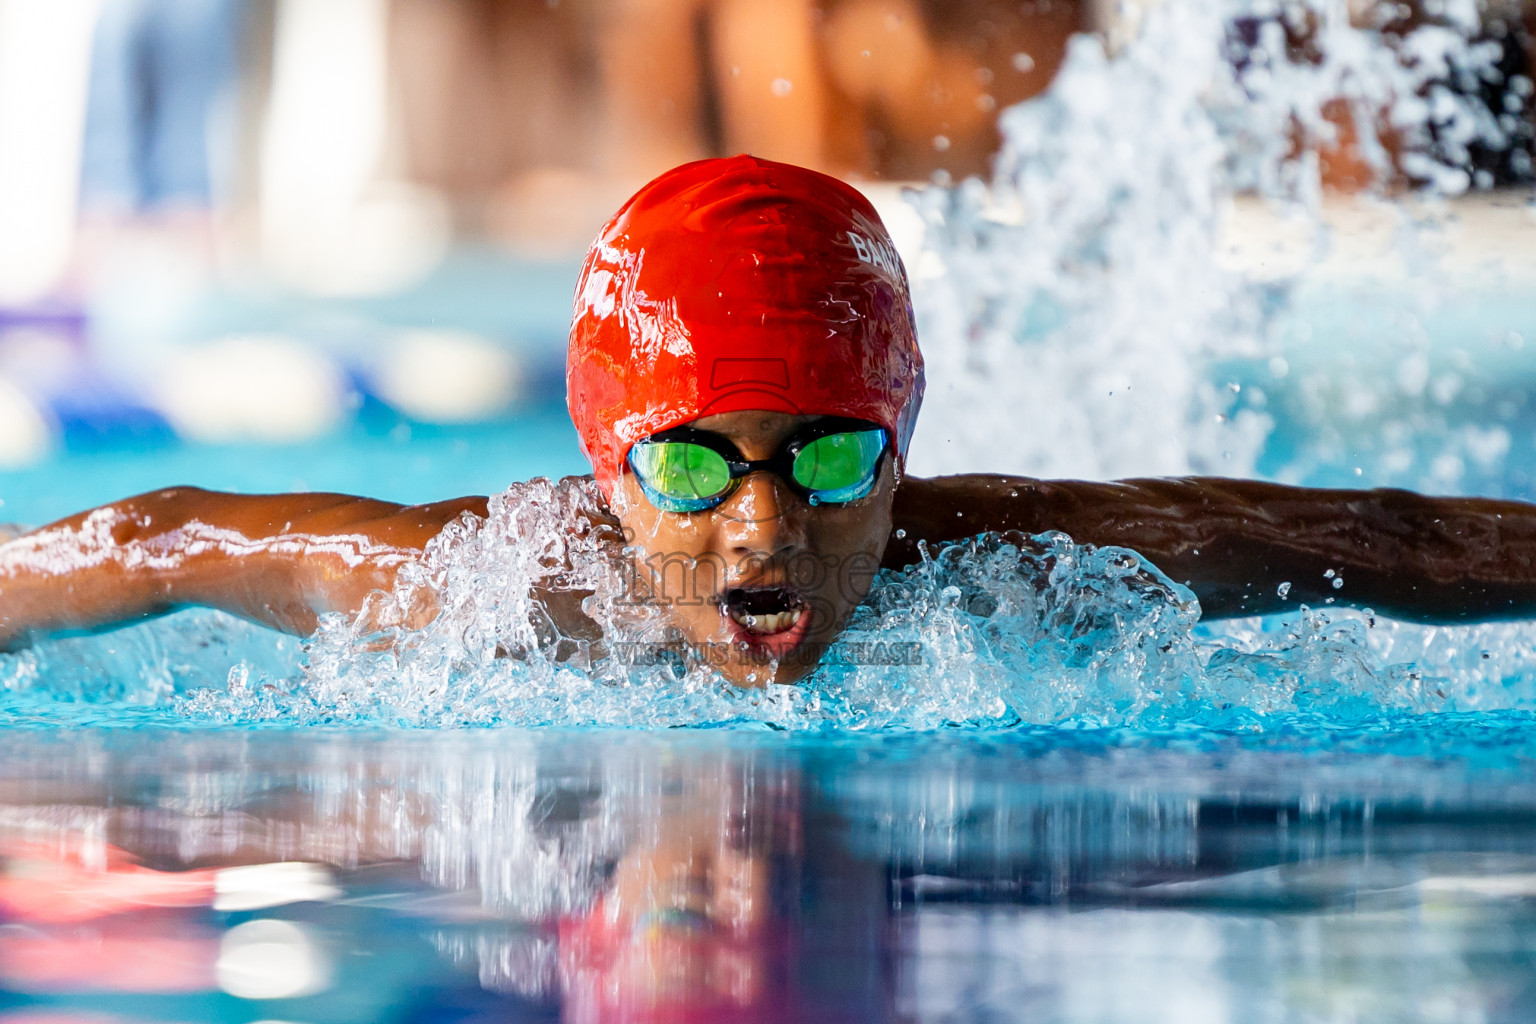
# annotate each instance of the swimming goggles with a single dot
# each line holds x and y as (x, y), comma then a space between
(830, 462)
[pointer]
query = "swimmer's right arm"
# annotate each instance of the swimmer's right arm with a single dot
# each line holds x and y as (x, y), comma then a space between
(1249, 547)
(281, 560)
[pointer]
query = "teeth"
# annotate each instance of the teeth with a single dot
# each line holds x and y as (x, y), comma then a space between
(768, 622)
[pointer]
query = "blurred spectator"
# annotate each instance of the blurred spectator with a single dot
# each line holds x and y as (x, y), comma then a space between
(500, 106)
(487, 89)
(768, 76)
(537, 118)
(917, 85)
(159, 150)
(45, 52)
(163, 77)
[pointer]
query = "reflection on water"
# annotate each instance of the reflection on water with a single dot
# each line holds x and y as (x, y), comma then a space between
(591, 876)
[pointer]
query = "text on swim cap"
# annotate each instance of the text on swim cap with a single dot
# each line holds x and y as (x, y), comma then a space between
(876, 253)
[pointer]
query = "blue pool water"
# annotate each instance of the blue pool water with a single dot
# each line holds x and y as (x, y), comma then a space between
(1361, 859)
(382, 456)
(1028, 876)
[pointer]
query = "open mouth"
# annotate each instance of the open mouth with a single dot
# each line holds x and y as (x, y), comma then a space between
(765, 611)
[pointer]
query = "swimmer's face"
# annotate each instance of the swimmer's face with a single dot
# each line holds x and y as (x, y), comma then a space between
(762, 583)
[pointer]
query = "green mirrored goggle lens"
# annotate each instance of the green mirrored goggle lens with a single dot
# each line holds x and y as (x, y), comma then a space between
(681, 471)
(685, 476)
(834, 467)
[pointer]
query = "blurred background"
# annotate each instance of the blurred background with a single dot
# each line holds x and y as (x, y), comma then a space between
(350, 228)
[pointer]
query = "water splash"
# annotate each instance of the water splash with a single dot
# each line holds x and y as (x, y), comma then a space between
(996, 631)
(1076, 307)
(132, 675)
(999, 631)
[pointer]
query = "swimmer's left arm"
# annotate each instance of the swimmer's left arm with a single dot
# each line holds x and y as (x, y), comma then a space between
(1236, 542)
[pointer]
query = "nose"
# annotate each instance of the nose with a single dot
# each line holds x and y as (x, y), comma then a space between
(763, 520)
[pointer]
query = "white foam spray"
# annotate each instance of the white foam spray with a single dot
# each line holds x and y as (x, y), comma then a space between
(1073, 306)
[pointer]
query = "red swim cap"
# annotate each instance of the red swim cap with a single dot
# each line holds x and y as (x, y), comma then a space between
(738, 284)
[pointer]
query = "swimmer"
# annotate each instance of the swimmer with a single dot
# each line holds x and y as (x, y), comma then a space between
(744, 377)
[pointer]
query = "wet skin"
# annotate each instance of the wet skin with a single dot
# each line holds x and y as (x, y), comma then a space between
(282, 560)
